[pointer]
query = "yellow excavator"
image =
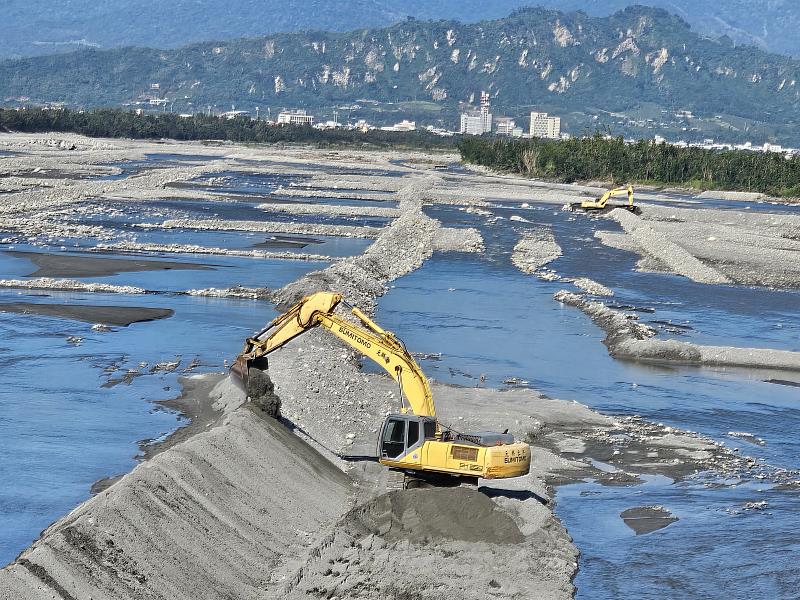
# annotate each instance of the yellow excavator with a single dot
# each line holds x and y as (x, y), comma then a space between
(600, 204)
(413, 440)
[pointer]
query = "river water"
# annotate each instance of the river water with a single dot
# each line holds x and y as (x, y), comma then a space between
(487, 318)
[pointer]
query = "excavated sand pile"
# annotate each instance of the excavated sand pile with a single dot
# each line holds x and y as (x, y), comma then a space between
(226, 514)
(431, 543)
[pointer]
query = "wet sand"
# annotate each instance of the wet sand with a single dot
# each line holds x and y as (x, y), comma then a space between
(647, 519)
(120, 316)
(197, 404)
(70, 265)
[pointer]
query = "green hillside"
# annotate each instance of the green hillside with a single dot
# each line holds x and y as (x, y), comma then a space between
(635, 63)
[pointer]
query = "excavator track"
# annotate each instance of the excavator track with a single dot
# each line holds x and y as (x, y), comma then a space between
(395, 480)
(576, 207)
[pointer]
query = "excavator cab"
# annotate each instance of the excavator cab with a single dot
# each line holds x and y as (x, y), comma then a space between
(402, 433)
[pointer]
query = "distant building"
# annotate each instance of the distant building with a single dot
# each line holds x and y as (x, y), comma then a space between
(403, 125)
(235, 114)
(472, 123)
(295, 117)
(504, 126)
(543, 126)
(477, 122)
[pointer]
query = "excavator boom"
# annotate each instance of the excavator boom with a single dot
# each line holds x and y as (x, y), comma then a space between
(381, 346)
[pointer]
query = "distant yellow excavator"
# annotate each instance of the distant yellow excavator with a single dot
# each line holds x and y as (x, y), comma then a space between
(413, 440)
(599, 204)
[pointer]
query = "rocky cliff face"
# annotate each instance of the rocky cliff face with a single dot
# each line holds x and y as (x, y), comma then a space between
(38, 27)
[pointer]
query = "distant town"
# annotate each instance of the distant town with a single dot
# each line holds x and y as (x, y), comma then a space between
(482, 121)
(475, 121)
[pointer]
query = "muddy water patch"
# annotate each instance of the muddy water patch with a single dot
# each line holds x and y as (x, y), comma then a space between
(89, 313)
(76, 265)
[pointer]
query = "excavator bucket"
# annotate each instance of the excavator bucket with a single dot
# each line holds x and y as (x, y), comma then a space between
(239, 373)
(283, 328)
(247, 373)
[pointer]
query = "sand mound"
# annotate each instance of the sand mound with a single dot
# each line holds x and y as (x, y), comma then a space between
(435, 543)
(429, 515)
(225, 514)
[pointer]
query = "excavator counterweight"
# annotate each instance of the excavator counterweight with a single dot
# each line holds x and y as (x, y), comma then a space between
(411, 440)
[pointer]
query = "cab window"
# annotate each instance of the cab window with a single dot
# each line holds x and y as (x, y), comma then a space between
(394, 438)
(413, 433)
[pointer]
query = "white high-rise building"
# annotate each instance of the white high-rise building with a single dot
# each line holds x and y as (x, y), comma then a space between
(475, 122)
(543, 126)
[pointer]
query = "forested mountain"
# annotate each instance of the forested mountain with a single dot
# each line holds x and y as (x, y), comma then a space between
(638, 57)
(35, 27)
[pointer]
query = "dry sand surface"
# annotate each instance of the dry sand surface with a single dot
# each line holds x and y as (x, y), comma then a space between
(713, 246)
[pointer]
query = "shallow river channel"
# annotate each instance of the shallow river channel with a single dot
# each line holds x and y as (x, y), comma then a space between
(78, 399)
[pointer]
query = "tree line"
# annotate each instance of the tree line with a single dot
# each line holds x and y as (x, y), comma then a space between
(116, 123)
(611, 159)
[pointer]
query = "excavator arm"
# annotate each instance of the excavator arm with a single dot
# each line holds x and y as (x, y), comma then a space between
(369, 339)
(616, 192)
